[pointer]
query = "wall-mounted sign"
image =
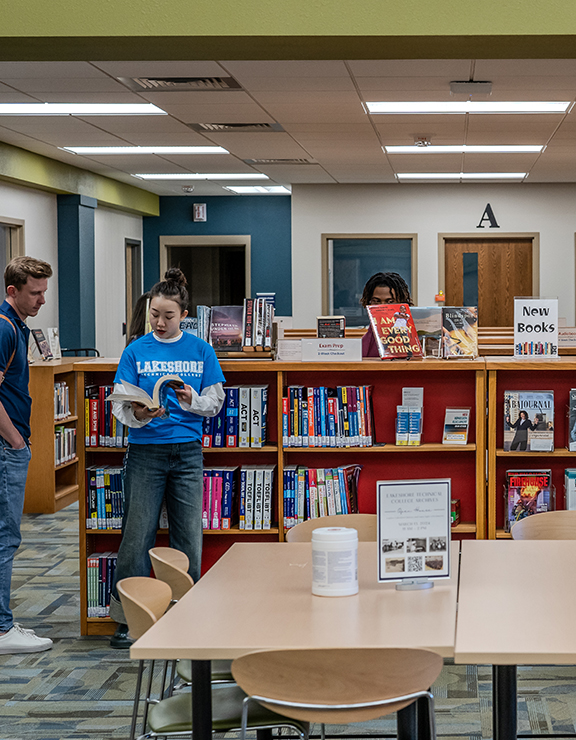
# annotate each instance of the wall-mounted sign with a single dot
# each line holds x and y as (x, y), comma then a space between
(414, 523)
(535, 327)
(199, 212)
(489, 216)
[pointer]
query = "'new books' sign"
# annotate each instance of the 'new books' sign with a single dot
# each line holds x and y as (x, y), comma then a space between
(535, 327)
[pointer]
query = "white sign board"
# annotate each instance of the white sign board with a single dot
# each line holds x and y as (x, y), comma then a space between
(535, 327)
(332, 350)
(413, 529)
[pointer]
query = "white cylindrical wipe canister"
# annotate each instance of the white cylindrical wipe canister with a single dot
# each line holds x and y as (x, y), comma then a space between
(334, 561)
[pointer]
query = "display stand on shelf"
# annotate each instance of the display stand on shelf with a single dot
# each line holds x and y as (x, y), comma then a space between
(507, 373)
(51, 487)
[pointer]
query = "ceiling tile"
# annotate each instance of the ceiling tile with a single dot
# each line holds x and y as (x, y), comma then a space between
(426, 162)
(270, 68)
(313, 99)
(160, 69)
(16, 97)
(311, 173)
(260, 146)
(76, 97)
(316, 113)
(499, 162)
(190, 97)
(385, 85)
(365, 174)
(13, 70)
(65, 84)
(246, 113)
(486, 69)
(297, 83)
(149, 125)
(454, 69)
(207, 163)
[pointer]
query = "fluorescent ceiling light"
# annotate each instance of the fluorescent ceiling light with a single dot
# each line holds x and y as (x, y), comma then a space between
(80, 109)
(145, 149)
(463, 149)
(200, 176)
(461, 175)
(247, 189)
(468, 106)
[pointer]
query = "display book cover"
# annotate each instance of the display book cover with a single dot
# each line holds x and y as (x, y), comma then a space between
(226, 328)
(42, 344)
(571, 425)
(527, 492)
(460, 331)
(393, 328)
(528, 421)
(428, 323)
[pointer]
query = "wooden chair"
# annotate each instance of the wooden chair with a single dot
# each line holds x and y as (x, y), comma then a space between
(366, 524)
(338, 685)
(171, 566)
(144, 601)
(548, 525)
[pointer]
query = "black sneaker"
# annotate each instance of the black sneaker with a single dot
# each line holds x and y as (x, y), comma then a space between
(120, 639)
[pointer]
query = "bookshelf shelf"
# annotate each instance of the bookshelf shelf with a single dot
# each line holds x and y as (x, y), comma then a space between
(465, 528)
(105, 449)
(241, 450)
(558, 452)
(48, 492)
(242, 532)
(431, 447)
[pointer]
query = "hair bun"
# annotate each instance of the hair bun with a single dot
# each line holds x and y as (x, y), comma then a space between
(176, 275)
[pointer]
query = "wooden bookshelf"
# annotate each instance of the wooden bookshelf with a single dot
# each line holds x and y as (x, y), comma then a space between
(49, 487)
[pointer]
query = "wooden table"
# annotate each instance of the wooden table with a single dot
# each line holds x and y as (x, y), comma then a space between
(516, 606)
(258, 596)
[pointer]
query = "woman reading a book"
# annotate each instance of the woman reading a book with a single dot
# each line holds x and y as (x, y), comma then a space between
(164, 456)
(383, 287)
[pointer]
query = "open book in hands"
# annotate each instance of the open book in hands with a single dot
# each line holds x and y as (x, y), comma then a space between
(125, 391)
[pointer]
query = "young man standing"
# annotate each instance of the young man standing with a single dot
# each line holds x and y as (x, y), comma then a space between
(26, 281)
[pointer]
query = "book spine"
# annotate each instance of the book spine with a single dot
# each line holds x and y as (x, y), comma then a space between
(343, 491)
(337, 493)
(216, 500)
(244, 416)
(305, 419)
(227, 497)
(414, 425)
(206, 499)
(258, 497)
(322, 500)
(232, 417)
(248, 324)
(300, 495)
(322, 397)
(311, 421)
(330, 491)
(207, 431)
(285, 422)
(249, 506)
(256, 404)
(300, 396)
(402, 425)
(268, 489)
(242, 500)
(219, 427)
(369, 416)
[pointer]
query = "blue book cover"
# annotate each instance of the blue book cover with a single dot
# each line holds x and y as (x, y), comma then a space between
(307, 492)
(317, 425)
(305, 440)
(242, 502)
(218, 438)
(323, 434)
(232, 399)
(228, 496)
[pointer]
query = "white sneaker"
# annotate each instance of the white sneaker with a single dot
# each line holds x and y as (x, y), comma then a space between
(20, 640)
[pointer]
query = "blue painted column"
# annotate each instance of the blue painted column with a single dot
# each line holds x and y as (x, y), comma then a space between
(76, 274)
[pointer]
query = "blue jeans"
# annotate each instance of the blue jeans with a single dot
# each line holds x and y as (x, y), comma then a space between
(13, 472)
(152, 473)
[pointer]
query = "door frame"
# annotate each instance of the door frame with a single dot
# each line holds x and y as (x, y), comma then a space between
(18, 225)
(326, 266)
(475, 236)
(208, 241)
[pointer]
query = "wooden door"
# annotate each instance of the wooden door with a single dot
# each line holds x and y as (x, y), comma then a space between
(504, 270)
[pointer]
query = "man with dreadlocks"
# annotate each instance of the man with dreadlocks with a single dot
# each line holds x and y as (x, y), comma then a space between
(383, 287)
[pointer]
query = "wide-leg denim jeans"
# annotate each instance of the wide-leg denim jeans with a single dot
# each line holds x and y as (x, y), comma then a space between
(152, 472)
(13, 472)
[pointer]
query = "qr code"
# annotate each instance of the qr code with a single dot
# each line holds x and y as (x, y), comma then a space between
(415, 564)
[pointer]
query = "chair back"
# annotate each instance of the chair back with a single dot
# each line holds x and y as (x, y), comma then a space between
(335, 684)
(144, 601)
(364, 523)
(548, 525)
(171, 566)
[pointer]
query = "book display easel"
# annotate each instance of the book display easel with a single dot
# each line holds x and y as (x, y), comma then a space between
(506, 373)
(51, 487)
(446, 384)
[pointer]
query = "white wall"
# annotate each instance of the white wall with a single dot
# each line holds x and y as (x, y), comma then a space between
(38, 210)
(111, 228)
(429, 210)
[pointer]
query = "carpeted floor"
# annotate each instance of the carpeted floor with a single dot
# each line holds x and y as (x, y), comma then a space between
(83, 690)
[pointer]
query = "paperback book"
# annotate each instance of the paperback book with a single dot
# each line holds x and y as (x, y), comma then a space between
(460, 331)
(528, 492)
(330, 327)
(571, 425)
(394, 331)
(226, 328)
(456, 424)
(428, 323)
(42, 344)
(528, 421)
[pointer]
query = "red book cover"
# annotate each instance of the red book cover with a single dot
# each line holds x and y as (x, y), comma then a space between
(394, 331)
(93, 405)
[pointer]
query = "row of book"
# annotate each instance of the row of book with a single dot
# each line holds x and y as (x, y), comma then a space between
(102, 427)
(234, 328)
(403, 331)
(64, 444)
(311, 493)
(242, 420)
(100, 576)
(61, 400)
(240, 495)
(327, 417)
(104, 497)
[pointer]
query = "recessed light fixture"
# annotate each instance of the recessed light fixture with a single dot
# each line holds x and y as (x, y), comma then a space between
(467, 106)
(145, 149)
(461, 175)
(250, 189)
(80, 109)
(463, 149)
(201, 176)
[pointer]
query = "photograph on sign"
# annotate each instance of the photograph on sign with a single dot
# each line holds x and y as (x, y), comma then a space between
(414, 523)
(535, 327)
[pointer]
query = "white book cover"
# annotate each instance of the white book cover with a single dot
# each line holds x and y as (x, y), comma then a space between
(322, 501)
(456, 424)
(330, 493)
(249, 503)
(258, 496)
(257, 408)
(244, 416)
(268, 489)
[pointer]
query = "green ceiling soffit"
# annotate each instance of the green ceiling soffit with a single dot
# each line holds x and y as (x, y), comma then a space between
(287, 29)
(33, 170)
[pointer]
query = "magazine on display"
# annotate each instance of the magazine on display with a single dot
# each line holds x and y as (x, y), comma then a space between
(528, 492)
(528, 421)
(394, 331)
(428, 323)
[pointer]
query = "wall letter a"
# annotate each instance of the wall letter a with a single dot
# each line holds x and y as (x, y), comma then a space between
(488, 215)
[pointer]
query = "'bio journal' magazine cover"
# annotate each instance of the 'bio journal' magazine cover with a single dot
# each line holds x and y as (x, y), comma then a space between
(528, 421)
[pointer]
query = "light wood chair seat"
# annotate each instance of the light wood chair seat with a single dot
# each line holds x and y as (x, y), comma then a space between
(339, 685)
(548, 525)
(366, 524)
(171, 566)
